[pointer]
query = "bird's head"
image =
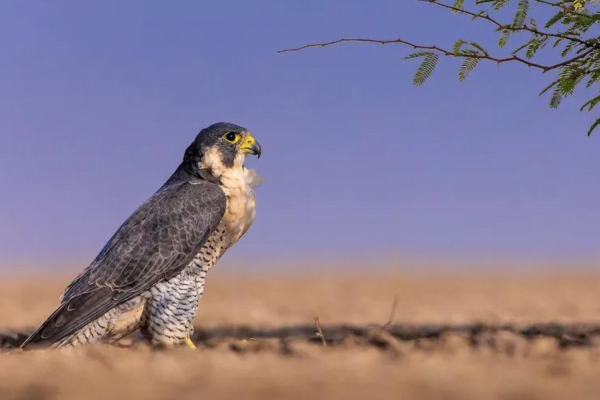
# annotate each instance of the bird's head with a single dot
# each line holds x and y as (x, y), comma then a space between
(221, 147)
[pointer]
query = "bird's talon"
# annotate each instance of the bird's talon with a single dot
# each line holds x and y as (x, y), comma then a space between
(190, 344)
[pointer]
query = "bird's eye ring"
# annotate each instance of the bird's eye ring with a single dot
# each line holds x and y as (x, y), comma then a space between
(232, 137)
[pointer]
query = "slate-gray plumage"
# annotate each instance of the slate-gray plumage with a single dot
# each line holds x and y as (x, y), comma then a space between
(151, 273)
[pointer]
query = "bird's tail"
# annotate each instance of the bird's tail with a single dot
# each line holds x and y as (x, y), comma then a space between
(70, 317)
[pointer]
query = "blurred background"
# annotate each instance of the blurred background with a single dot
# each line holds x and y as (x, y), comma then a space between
(371, 186)
(100, 99)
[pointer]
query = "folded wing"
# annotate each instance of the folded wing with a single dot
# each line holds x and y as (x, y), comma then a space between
(155, 243)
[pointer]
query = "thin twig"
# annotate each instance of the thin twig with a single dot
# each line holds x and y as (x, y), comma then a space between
(463, 11)
(320, 333)
(499, 60)
(392, 313)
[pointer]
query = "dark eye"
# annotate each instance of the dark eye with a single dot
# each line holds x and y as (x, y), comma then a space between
(231, 137)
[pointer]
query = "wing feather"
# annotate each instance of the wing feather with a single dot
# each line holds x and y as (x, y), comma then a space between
(155, 243)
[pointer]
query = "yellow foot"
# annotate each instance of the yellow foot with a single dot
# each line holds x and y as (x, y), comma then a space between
(190, 344)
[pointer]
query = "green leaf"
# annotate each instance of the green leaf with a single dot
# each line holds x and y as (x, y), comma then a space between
(534, 46)
(521, 47)
(503, 38)
(498, 4)
(458, 4)
(557, 43)
(594, 125)
(590, 103)
(425, 69)
(557, 17)
(568, 48)
(467, 66)
(479, 47)
(478, 15)
(594, 78)
(568, 78)
(417, 55)
(457, 45)
(550, 86)
(533, 24)
(556, 98)
(521, 14)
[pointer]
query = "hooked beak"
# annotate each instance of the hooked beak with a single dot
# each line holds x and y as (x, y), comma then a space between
(250, 146)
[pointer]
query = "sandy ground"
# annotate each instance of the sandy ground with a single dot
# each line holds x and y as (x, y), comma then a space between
(483, 346)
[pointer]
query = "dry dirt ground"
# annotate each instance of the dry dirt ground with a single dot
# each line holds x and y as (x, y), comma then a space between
(505, 336)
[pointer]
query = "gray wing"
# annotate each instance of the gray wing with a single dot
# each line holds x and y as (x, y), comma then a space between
(155, 243)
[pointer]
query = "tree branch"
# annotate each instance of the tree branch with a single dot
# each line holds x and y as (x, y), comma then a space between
(499, 60)
(502, 26)
(563, 7)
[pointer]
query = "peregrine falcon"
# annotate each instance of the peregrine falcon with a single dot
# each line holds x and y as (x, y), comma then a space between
(150, 275)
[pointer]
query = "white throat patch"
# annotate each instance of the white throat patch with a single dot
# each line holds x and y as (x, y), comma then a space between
(212, 169)
(237, 183)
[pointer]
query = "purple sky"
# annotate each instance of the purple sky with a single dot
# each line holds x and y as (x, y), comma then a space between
(98, 101)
